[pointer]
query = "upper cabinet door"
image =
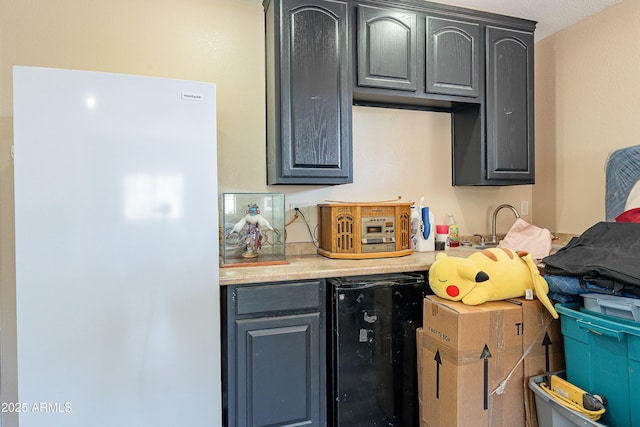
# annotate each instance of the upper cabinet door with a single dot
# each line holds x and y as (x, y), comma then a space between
(387, 48)
(308, 93)
(453, 57)
(510, 128)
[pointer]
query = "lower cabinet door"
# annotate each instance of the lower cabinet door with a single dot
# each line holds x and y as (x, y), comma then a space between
(279, 370)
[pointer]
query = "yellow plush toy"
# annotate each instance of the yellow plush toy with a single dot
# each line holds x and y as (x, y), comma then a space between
(488, 275)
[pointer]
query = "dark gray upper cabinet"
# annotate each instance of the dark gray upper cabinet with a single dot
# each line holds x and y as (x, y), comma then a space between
(387, 48)
(322, 56)
(416, 56)
(493, 143)
(274, 362)
(453, 64)
(308, 92)
(510, 127)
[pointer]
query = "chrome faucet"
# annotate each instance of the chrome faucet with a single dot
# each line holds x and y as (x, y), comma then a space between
(493, 220)
(481, 242)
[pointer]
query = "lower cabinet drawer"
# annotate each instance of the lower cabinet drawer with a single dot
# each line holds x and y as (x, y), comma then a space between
(287, 296)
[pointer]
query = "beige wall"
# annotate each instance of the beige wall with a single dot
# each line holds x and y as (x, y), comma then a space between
(408, 153)
(587, 105)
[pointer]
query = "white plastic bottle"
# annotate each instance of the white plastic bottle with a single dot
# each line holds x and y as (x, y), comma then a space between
(415, 226)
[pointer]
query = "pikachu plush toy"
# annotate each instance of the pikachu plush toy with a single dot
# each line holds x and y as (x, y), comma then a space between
(488, 275)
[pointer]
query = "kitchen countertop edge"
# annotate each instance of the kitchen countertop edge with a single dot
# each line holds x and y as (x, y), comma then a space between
(306, 267)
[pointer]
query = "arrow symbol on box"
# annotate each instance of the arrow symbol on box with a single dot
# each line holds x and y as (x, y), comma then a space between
(546, 342)
(486, 354)
(438, 363)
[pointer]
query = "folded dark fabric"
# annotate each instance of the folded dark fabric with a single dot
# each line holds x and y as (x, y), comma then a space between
(611, 287)
(608, 252)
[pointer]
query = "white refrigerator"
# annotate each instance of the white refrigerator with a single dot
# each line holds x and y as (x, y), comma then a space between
(117, 292)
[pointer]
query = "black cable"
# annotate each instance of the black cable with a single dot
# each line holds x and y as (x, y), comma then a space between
(313, 239)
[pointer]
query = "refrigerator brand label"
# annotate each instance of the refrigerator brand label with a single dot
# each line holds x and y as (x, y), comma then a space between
(192, 96)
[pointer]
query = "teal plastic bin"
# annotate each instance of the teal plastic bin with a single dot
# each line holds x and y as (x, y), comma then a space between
(602, 355)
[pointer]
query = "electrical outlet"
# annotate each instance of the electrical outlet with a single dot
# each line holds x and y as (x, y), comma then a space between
(303, 207)
(524, 207)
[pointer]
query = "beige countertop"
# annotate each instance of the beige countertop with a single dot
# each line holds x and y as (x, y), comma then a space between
(316, 267)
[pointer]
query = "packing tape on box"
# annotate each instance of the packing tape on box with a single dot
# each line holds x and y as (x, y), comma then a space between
(452, 355)
(543, 330)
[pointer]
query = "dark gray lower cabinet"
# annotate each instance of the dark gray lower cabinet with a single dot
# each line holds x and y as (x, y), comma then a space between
(274, 354)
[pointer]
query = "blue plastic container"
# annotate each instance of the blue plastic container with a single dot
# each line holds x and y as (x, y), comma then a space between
(602, 356)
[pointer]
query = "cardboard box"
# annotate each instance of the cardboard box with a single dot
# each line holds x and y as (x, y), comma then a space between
(543, 350)
(473, 361)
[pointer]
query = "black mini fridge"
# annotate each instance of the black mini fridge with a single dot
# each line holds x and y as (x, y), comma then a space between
(372, 360)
